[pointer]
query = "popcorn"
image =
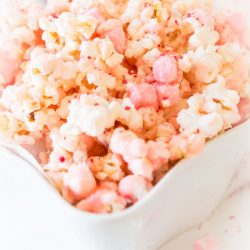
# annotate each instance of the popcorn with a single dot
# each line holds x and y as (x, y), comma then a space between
(108, 167)
(104, 200)
(211, 107)
(111, 95)
(151, 56)
(100, 78)
(206, 64)
(203, 17)
(93, 114)
(8, 124)
(86, 25)
(203, 37)
(113, 30)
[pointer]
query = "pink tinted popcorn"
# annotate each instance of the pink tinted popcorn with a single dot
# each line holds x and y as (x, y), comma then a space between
(133, 187)
(79, 183)
(104, 200)
(117, 36)
(110, 95)
(142, 167)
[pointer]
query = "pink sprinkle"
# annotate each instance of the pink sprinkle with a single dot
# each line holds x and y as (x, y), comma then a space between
(207, 243)
(232, 217)
(96, 104)
(62, 159)
(127, 108)
(176, 22)
(89, 57)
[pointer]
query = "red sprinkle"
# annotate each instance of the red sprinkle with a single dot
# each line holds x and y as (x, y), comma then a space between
(127, 108)
(54, 15)
(62, 159)
(232, 217)
(96, 104)
(132, 71)
(89, 57)
(176, 22)
(124, 81)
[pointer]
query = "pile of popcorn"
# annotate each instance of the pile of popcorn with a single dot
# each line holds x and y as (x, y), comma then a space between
(113, 93)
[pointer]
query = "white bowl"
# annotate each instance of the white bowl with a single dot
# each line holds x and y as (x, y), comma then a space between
(34, 216)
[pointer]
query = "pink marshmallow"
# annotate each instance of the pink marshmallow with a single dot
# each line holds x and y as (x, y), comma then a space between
(117, 36)
(207, 243)
(165, 69)
(143, 95)
(168, 92)
(142, 167)
(104, 200)
(79, 183)
(134, 187)
(8, 67)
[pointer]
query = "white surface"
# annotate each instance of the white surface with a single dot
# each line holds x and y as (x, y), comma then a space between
(230, 223)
